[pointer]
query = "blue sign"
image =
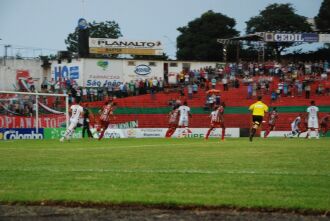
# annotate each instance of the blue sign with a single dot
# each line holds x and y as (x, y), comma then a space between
(66, 72)
(82, 24)
(142, 69)
(21, 133)
(310, 37)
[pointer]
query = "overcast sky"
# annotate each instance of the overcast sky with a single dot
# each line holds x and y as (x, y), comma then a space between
(46, 23)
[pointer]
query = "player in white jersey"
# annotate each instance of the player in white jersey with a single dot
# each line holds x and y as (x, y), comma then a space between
(294, 127)
(313, 120)
(76, 112)
(184, 112)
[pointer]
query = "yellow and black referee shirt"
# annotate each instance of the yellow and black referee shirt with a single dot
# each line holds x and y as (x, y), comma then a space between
(258, 108)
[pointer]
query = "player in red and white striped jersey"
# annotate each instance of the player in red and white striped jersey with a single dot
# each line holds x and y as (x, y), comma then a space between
(217, 120)
(173, 121)
(106, 114)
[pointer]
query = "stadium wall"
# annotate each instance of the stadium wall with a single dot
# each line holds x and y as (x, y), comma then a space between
(8, 73)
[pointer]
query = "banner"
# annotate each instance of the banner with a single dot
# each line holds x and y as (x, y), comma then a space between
(64, 71)
(102, 72)
(57, 133)
(135, 51)
(180, 132)
(324, 38)
(282, 133)
(123, 46)
(29, 122)
(125, 125)
(21, 134)
(291, 37)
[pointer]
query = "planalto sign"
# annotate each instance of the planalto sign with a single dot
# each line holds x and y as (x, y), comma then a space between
(122, 43)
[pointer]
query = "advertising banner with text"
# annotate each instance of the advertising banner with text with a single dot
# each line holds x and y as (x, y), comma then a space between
(291, 37)
(102, 72)
(21, 134)
(124, 46)
(29, 122)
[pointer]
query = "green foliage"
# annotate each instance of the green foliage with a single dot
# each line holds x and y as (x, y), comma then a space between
(278, 17)
(198, 40)
(322, 19)
(107, 29)
(267, 173)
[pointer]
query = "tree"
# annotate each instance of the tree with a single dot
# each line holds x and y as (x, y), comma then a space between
(322, 19)
(280, 18)
(198, 40)
(107, 29)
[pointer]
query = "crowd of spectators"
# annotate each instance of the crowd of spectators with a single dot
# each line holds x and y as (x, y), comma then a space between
(111, 89)
(23, 105)
(286, 79)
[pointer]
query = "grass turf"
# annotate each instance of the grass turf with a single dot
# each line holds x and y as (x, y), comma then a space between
(272, 173)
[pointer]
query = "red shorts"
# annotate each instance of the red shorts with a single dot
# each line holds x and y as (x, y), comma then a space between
(271, 125)
(104, 124)
(217, 124)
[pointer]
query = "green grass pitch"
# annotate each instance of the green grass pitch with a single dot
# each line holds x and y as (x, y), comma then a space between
(267, 173)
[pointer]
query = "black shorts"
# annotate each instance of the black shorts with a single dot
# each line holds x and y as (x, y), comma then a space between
(258, 119)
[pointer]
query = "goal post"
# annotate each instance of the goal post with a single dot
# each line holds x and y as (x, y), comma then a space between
(28, 110)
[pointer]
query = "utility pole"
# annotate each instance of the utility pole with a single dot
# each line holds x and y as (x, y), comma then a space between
(5, 57)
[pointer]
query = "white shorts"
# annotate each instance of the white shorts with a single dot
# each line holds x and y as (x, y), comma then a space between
(183, 122)
(313, 123)
(73, 124)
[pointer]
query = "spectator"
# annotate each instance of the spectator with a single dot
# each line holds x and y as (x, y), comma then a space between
(249, 91)
(131, 86)
(84, 94)
(273, 96)
(307, 91)
(195, 88)
(190, 91)
(225, 83)
(214, 82)
(78, 94)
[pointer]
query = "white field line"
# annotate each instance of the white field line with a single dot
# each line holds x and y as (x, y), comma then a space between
(112, 147)
(169, 171)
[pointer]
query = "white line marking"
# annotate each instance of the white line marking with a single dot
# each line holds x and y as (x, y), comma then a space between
(111, 147)
(164, 171)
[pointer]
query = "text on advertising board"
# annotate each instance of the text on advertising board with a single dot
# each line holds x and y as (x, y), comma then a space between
(142, 69)
(66, 72)
(121, 43)
(291, 37)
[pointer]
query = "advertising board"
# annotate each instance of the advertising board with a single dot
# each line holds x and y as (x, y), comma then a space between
(21, 134)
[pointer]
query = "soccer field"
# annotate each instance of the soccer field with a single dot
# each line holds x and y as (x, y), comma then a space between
(272, 173)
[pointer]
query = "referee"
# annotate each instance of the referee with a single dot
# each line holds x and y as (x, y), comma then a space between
(258, 112)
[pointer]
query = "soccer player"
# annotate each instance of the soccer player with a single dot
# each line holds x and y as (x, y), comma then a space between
(304, 125)
(313, 122)
(85, 124)
(258, 112)
(184, 111)
(76, 111)
(217, 120)
(295, 127)
(272, 118)
(173, 121)
(324, 124)
(105, 114)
